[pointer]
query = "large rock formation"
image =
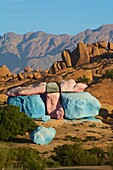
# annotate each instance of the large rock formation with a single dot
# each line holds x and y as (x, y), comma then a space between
(84, 53)
(33, 105)
(79, 105)
(80, 55)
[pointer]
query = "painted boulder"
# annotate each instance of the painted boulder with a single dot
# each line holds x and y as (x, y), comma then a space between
(52, 87)
(72, 86)
(79, 105)
(43, 135)
(53, 104)
(33, 105)
(27, 90)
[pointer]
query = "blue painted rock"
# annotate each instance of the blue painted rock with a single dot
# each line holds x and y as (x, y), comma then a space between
(46, 118)
(43, 135)
(79, 105)
(33, 105)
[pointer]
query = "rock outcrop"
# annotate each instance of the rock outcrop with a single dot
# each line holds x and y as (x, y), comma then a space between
(84, 53)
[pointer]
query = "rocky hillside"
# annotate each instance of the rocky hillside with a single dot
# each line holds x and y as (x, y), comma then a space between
(40, 50)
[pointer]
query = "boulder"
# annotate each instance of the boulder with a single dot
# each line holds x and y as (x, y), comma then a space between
(46, 118)
(102, 44)
(52, 87)
(28, 90)
(58, 65)
(28, 69)
(95, 51)
(43, 135)
(72, 86)
(80, 55)
(4, 71)
(20, 76)
(66, 57)
(79, 105)
(33, 105)
(53, 104)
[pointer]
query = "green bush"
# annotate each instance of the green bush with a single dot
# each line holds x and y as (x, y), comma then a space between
(83, 79)
(21, 158)
(13, 122)
(108, 74)
(75, 155)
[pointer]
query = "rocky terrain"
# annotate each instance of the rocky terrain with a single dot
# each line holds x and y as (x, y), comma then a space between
(40, 50)
(88, 63)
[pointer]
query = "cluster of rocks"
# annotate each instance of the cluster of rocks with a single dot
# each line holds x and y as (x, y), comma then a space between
(84, 53)
(51, 100)
(58, 101)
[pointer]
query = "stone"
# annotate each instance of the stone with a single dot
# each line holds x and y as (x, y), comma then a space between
(36, 75)
(110, 45)
(28, 69)
(20, 76)
(43, 135)
(102, 44)
(30, 76)
(28, 90)
(33, 105)
(79, 105)
(4, 71)
(72, 86)
(52, 87)
(53, 104)
(95, 51)
(80, 55)
(66, 57)
(58, 65)
(46, 118)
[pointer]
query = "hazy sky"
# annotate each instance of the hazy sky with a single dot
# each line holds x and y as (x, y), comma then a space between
(54, 16)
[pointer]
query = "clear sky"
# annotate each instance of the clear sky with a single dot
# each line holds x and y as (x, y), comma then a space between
(54, 16)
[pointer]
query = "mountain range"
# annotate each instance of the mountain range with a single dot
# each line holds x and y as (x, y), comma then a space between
(40, 50)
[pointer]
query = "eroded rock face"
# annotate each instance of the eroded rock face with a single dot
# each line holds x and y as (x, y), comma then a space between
(80, 55)
(79, 105)
(4, 71)
(54, 107)
(66, 57)
(33, 105)
(58, 65)
(43, 135)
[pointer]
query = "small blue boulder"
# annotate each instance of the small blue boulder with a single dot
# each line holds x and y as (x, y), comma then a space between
(32, 105)
(79, 105)
(43, 135)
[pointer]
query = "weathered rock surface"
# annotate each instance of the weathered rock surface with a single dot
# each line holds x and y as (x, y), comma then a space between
(66, 57)
(28, 69)
(54, 107)
(80, 55)
(43, 135)
(28, 90)
(33, 105)
(79, 105)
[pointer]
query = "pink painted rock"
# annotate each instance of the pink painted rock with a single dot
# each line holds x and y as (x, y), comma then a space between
(80, 87)
(28, 90)
(72, 86)
(54, 107)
